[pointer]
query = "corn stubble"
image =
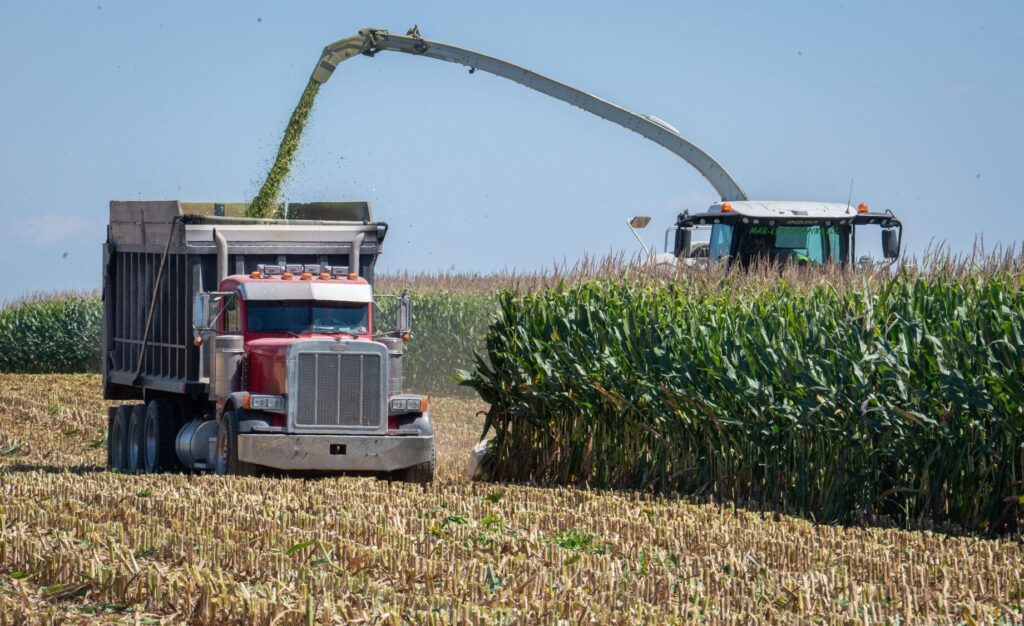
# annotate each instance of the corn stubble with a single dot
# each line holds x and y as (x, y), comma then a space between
(79, 544)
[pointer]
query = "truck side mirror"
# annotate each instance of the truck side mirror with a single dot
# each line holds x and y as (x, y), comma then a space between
(403, 315)
(201, 311)
(890, 243)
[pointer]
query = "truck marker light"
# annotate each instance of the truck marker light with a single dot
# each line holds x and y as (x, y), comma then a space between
(306, 276)
(325, 276)
(862, 208)
(198, 341)
(286, 276)
(406, 337)
(255, 274)
(246, 403)
(353, 276)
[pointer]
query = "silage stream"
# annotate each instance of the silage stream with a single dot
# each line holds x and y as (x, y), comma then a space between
(265, 203)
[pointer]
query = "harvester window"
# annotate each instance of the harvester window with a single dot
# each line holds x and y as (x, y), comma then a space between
(721, 241)
(802, 244)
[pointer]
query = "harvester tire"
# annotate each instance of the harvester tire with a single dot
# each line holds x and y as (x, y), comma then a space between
(227, 449)
(117, 437)
(421, 474)
(160, 429)
(135, 445)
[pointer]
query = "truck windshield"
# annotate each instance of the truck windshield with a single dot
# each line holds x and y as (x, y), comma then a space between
(302, 316)
(803, 244)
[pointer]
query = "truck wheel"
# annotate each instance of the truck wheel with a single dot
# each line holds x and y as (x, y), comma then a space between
(422, 473)
(110, 427)
(227, 448)
(117, 437)
(136, 425)
(161, 427)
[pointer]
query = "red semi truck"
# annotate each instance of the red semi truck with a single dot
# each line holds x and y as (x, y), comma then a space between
(254, 343)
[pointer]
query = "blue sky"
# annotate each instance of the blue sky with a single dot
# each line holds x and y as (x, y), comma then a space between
(920, 103)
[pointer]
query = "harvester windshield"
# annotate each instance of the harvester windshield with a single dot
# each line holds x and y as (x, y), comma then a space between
(304, 316)
(806, 244)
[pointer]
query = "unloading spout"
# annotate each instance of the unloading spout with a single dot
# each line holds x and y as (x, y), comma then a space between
(341, 50)
(370, 41)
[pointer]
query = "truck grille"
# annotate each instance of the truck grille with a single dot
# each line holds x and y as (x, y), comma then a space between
(338, 389)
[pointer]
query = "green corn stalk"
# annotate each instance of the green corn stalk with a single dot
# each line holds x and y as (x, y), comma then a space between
(903, 402)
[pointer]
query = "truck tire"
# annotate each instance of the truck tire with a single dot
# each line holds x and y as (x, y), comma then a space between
(422, 473)
(117, 437)
(110, 426)
(160, 429)
(227, 449)
(134, 461)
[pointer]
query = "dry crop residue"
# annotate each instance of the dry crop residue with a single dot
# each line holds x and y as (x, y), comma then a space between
(265, 203)
(82, 543)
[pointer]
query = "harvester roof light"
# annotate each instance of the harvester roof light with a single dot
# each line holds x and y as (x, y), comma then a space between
(862, 208)
(726, 207)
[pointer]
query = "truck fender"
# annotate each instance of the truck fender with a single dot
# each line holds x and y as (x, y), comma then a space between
(420, 422)
(248, 421)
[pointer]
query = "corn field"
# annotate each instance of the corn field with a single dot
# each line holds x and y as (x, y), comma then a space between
(58, 333)
(61, 334)
(79, 544)
(852, 398)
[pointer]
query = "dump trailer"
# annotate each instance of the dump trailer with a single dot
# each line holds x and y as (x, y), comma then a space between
(241, 344)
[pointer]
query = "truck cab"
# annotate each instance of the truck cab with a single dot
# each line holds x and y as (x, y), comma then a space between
(302, 380)
(799, 232)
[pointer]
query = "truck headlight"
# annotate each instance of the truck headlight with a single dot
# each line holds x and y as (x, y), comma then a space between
(266, 403)
(407, 404)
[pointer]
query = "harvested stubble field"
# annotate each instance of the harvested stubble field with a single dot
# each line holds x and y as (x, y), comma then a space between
(79, 544)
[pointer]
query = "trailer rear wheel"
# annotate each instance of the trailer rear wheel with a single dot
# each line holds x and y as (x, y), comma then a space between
(161, 427)
(136, 425)
(117, 437)
(227, 448)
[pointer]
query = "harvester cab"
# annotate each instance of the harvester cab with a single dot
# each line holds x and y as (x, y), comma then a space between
(804, 233)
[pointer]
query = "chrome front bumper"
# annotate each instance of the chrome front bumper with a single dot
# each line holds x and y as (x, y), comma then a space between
(369, 453)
